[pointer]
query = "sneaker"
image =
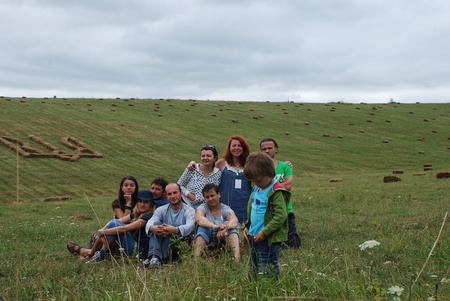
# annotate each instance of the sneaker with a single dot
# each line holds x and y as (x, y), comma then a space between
(98, 257)
(153, 263)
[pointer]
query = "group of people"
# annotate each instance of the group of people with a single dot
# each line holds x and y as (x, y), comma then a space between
(211, 202)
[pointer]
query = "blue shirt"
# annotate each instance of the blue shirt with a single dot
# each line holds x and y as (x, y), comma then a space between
(259, 207)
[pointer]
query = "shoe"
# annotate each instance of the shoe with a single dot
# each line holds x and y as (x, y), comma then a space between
(98, 257)
(153, 263)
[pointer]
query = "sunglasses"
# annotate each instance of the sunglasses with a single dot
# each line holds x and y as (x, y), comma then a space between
(208, 147)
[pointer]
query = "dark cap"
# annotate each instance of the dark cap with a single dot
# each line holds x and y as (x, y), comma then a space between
(145, 195)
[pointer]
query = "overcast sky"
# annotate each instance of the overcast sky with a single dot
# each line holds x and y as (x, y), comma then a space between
(298, 50)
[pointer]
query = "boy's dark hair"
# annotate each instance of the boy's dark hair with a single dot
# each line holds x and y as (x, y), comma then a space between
(210, 186)
(259, 165)
(160, 181)
(269, 140)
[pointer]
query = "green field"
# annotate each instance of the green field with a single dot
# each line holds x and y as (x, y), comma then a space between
(359, 144)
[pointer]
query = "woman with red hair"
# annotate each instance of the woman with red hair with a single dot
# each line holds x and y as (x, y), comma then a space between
(235, 189)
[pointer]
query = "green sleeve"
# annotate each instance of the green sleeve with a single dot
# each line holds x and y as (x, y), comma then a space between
(280, 213)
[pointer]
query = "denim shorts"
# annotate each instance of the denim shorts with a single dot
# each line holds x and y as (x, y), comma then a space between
(209, 235)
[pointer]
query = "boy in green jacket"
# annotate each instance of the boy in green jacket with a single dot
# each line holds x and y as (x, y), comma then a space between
(267, 224)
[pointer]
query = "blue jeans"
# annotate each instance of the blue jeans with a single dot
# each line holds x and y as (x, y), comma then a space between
(125, 240)
(166, 248)
(264, 260)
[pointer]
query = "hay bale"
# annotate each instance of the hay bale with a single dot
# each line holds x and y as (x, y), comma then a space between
(390, 179)
(339, 136)
(361, 131)
(443, 175)
(213, 115)
(427, 168)
(255, 117)
(421, 152)
(384, 141)
(325, 135)
(57, 198)
(397, 172)
(368, 120)
(388, 121)
(306, 123)
(426, 120)
(421, 138)
(434, 132)
(286, 133)
(285, 113)
(234, 120)
(335, 180)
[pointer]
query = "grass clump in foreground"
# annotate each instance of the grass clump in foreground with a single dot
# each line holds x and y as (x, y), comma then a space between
(406, 217)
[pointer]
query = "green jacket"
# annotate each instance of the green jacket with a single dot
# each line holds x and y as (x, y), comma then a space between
(275, 218)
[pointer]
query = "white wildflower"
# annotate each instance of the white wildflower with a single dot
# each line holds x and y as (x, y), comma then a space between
(445, 280)
(321, 274)
(431, 298)
(395, 290)
(369, 244)
(433, 276)
(198, 288)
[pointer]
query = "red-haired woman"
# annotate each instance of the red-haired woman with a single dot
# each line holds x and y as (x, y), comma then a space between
(235, 189)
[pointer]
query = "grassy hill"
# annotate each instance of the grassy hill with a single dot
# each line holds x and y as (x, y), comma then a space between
(356, 143)
(150, 138)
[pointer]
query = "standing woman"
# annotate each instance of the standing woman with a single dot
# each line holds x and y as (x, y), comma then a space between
(195, 177)
(235, 189)
(127, 197)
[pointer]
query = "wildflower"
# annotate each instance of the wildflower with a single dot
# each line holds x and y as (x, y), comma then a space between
(320, 274)
(198, 288)
(445, 280)
(395, 290)
(368, 244)
(431, 298)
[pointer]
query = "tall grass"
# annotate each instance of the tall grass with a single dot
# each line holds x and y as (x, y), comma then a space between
(406, 217)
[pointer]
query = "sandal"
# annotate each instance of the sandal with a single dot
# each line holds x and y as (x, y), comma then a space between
(74, 248)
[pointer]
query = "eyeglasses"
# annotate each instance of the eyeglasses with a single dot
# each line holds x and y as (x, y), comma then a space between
(208, 147)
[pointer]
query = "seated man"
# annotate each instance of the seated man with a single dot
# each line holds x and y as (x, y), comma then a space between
(169, 223)
(216, 223)
(158, 188)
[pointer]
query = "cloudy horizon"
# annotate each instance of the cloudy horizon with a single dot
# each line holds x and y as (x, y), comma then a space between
(303, 51)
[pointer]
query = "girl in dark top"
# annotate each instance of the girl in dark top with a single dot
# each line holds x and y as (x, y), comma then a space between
(127, 197)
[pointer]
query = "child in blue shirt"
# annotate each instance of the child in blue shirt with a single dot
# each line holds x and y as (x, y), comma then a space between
(267, 225)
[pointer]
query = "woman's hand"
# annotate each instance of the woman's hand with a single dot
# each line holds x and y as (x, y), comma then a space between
(191, 166)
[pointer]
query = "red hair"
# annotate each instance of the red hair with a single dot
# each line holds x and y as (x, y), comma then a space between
(245, 150)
